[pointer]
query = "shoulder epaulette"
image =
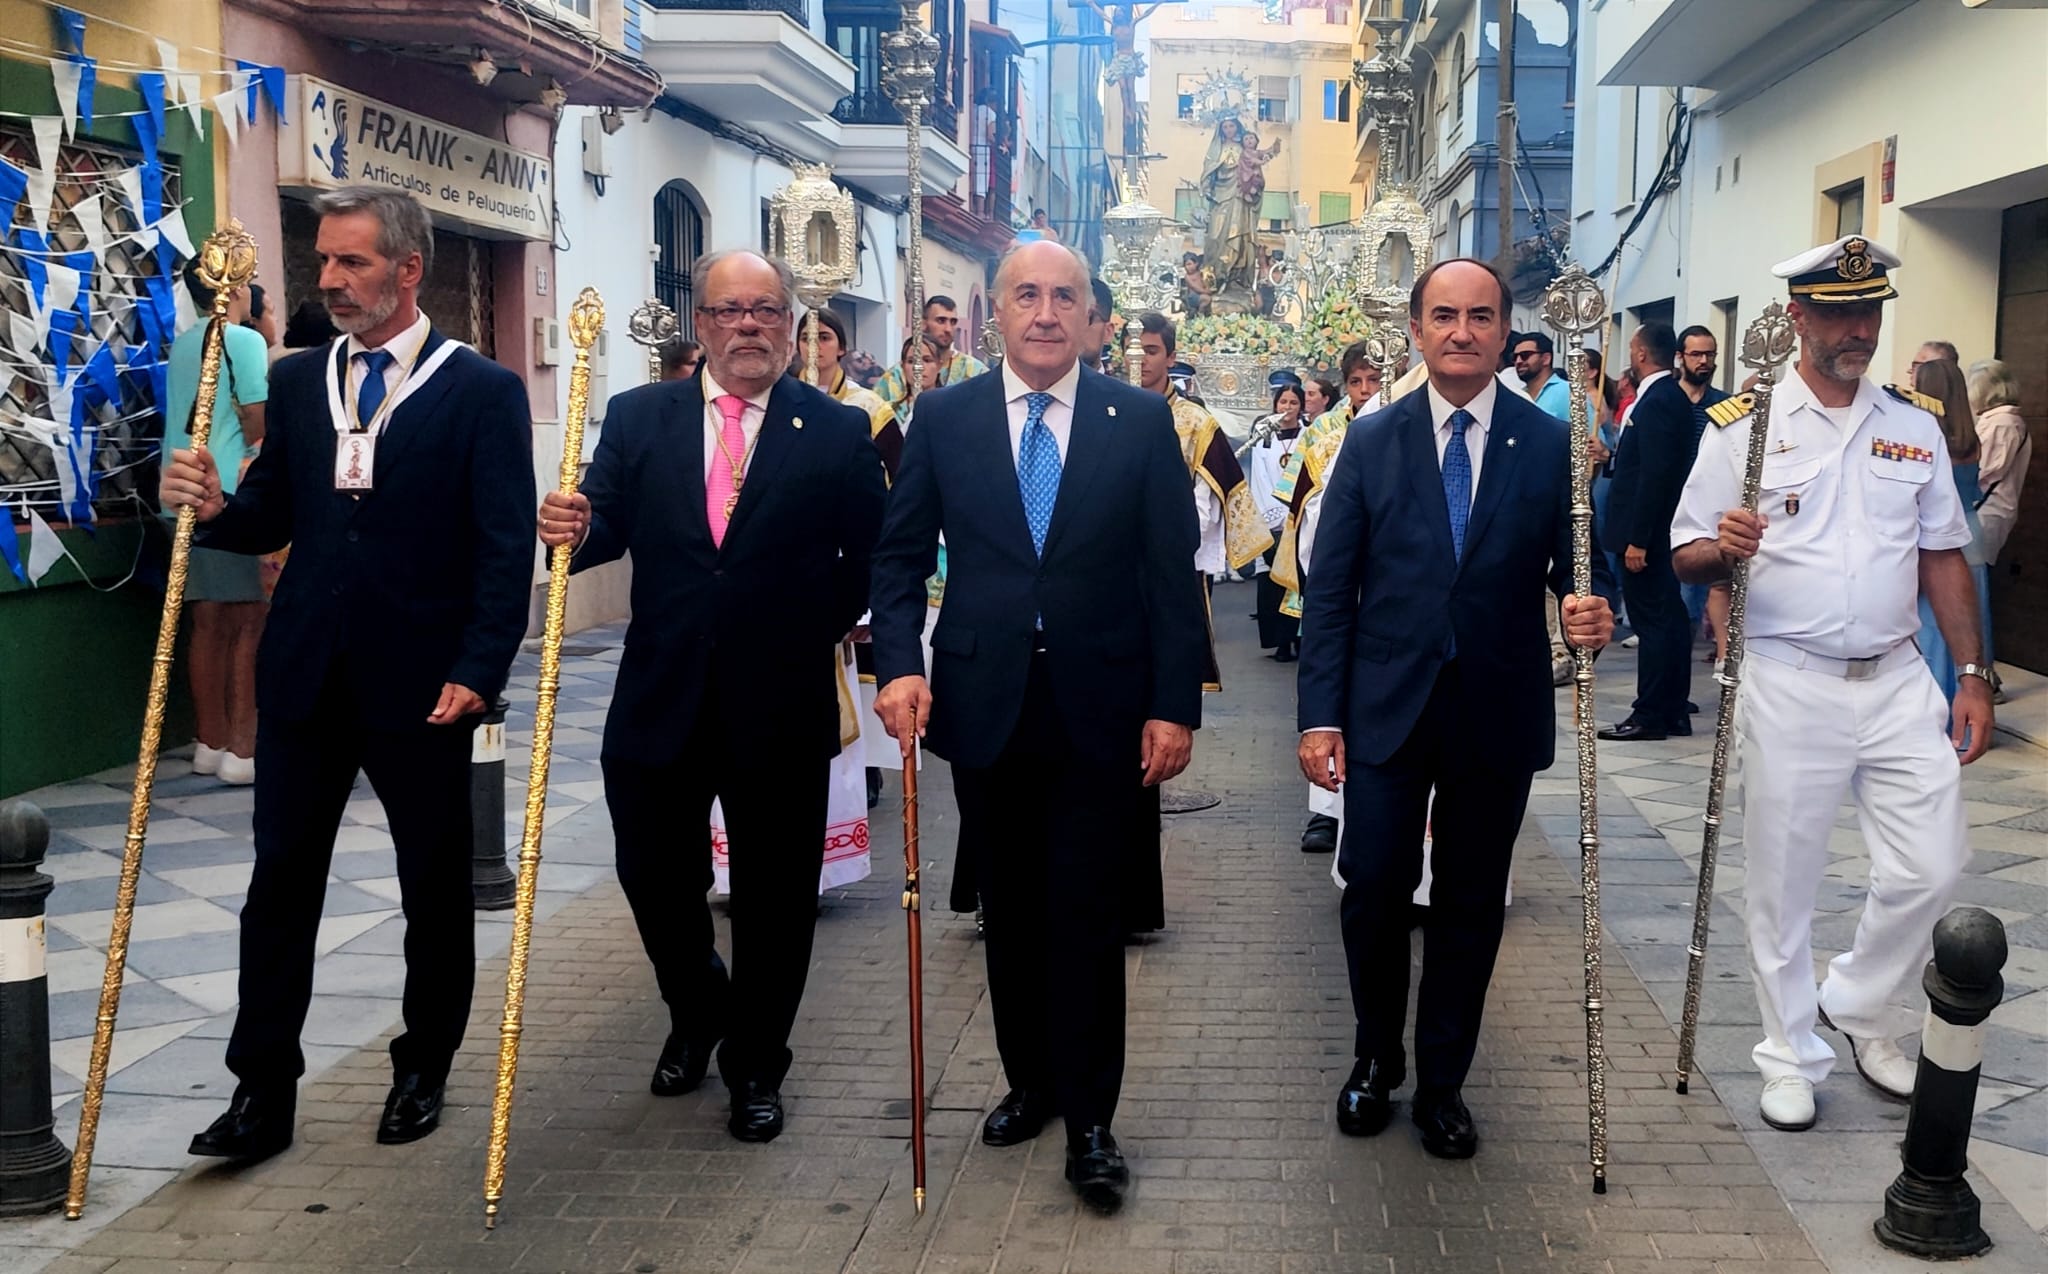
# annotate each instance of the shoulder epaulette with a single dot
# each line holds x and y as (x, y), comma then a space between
(1729, 410)
(1914, 398)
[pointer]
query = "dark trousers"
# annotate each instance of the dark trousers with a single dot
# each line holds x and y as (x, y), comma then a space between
(1276, 631)
(1656, 611)
(305, 771)
(775, 810)
(1053, 829)
(1477, 814)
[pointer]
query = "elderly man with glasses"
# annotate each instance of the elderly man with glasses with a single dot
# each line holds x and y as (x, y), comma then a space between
(752, 501)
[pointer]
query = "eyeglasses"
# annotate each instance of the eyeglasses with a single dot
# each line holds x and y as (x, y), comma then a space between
(1527, 353)
(767, 314)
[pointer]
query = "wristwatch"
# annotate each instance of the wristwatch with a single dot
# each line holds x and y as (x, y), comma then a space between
(1975, 670)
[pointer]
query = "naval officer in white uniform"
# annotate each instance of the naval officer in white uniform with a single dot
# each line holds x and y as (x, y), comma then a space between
(1857, 518)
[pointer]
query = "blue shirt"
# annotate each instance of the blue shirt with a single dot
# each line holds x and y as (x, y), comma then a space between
(244, 380)
(1556, 397)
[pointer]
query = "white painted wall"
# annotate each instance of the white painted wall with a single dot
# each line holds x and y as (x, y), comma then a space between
(1705, 244)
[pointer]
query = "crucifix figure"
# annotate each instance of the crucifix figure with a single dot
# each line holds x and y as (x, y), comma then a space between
(1127, 66)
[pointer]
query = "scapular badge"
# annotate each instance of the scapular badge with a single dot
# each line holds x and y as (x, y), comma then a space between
(1792, 504)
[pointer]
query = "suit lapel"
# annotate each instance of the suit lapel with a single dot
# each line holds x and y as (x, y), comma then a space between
(416, 415)
(772, 449)
(1496, 471)
(988, 437)
(1425, 472)
(682, 417)
(1087, 441)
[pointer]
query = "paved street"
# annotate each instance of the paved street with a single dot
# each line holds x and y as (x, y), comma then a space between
(1240, 1033)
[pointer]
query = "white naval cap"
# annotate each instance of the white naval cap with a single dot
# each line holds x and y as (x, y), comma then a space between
(1850, 269)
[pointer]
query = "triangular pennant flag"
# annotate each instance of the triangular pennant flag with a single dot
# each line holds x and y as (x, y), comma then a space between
(273, 87)
(42, 190)
(24, 335)
(92, 222)
(250, 87)
(45, 550)
(71, 28)
(175, 233)
(88, 78)
(188, 97)
(77, 458)
(10, 550)
(63, 413)
(49, 133)
(63, 288)
(81, 263)
(227, 108)
(104, 373)
(34, 260)
(63, 326)
(152, 85)
(130, 182)
(167, 55)
(13, 185)
(65, 76)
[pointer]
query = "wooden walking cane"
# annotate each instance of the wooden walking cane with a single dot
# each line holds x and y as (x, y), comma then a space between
(586, 320)
(1574, 306)
(912, 914)
(1766, 344)
(227, 261)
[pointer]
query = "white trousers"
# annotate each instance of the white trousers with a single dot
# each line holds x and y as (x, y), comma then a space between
(1805, 738)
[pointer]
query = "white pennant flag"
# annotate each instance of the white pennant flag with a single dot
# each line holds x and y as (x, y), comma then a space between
(62, 292)
(228, 110)
(167, 53)
(130, 182)
(42, 187)
(45, 550)
(67, 76)
(24, 336)
(173, 227)
(189, 98)
(59, 439)
(93, 223)
(49, 131)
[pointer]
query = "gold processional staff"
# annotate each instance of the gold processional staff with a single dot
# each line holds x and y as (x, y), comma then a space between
(586, 321)
(1573, 305)
(227, 261)
(1765, 346)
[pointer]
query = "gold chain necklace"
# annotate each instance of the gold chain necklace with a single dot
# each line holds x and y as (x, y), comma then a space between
(738, 468)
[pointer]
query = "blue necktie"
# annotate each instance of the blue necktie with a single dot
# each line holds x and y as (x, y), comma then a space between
(1038, 470)
(1458, 481)
(371, 396)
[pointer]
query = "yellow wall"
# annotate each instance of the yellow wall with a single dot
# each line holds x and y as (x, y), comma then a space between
(1315, 155)
(190, 24)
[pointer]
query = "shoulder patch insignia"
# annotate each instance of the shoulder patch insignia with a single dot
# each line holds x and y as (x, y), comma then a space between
(1914, 398)
(1729, 410)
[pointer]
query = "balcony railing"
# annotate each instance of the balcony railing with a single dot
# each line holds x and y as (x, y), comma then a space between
(988, 192)
(867, 106)
(794, 9)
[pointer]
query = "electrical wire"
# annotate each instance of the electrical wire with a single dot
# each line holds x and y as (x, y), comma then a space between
(1676, 148)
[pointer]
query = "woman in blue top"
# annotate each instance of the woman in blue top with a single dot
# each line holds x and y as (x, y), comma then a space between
(224, 591)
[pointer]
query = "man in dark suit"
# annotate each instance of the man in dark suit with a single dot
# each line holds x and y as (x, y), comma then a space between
(1651, 460)
(749, 501)
(1425, 665)
(1066, 679)
(398, 465)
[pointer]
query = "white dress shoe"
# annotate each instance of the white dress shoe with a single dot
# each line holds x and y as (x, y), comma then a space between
(1883, 1065)
(237, 771)
(206, 760)
(1788, 1103)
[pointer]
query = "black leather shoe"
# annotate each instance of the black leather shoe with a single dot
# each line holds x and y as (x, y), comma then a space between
(1020, 1118)
(1447, 1130)
(1634, 731)
(1095, 1168)
(1366, 1102)
(1691, 709)
(1680, 729)
(1320, 836)
(256, 1126)
(682, 1066)
(411, 1111)
(756, 1112)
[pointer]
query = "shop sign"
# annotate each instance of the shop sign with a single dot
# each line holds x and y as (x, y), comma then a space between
(338, 137)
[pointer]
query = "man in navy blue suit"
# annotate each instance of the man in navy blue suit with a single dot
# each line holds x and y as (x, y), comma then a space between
(1066, 679)
(398, 465)
(749, 501)
(1426, 666)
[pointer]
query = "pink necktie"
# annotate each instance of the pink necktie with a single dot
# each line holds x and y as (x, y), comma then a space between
(721, 492)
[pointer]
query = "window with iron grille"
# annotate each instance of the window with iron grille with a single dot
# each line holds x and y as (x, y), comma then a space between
(124, 439)
(679, 239)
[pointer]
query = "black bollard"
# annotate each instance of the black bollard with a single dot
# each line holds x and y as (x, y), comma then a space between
(490, 879)
(1930, 1211)
(34, 1166)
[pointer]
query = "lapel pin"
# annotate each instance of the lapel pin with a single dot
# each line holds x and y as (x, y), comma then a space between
(1112, 411)
(1511, 442)
(797, 422)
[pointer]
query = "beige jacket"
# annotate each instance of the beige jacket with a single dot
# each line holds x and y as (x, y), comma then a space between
(2002, 469)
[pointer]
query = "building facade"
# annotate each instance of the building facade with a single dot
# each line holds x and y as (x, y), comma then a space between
(1715, 140)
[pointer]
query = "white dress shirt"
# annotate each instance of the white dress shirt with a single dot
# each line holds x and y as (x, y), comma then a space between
(1481, 407)
(404, 349)
(1059, 414)
(751, 420)
(1851, 504)
(1641, 389)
